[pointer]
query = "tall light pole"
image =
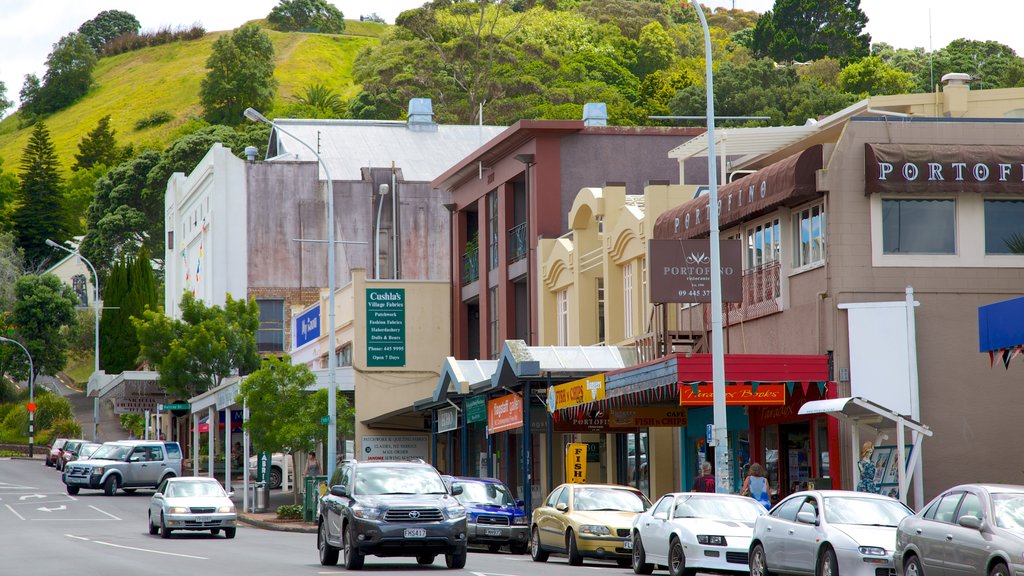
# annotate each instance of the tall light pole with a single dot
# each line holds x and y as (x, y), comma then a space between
(332, 360)
(96, 306)
(31, 395)
(719, 427)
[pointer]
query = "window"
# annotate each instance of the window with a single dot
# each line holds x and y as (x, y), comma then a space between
(643, 289)
(627, 299)
(918, 226)
(1004, 226)
(345, 355)
(562, 315)
(971, 506)
(495, 322)
(270, 335)
(946, 510)
(492, 228)
(553, 497)
(809, 236)
(563, 498)
(763, 243)
(600, 309)
(787, 510)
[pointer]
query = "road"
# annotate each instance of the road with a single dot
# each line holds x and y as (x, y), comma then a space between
(46, 532)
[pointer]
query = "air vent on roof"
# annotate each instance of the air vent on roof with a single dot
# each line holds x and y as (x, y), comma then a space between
(595, 114)
(421, 115)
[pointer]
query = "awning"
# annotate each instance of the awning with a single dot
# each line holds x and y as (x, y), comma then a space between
(786, 182)
(1001, 330)
(944, 168)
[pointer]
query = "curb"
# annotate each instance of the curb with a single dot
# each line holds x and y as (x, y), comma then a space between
(304, 527)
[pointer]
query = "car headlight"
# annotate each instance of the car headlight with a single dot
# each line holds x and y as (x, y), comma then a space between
(871, 551)
(178, 510)
(97, 470)
(366, 512)
(226, 509)
(594, 530)
(519, 520)
(455, 512)
(711, 540)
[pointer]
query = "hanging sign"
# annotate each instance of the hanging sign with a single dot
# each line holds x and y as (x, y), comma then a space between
(476, 409)
(447, 419)
(576, 392)
(576, 463)
(505, 413)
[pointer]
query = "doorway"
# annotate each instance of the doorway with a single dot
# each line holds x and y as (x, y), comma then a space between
(795, 458)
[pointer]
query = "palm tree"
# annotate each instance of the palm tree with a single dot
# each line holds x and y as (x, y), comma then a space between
(322, 99)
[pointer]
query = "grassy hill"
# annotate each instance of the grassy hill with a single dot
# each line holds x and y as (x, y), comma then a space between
(134, 85)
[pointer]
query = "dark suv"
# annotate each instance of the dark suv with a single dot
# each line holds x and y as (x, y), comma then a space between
(390, 509)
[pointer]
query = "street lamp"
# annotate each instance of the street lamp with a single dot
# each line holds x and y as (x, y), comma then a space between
(31, 394)
(719, 427)
(96, 306)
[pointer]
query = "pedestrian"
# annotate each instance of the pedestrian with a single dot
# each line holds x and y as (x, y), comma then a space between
(705, 482)
(867, 469)
(312, 465)
(756, 485)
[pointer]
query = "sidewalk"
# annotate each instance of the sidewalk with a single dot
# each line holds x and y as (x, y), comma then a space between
(268, 520)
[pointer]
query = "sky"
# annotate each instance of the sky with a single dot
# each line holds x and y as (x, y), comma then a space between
(29, 28)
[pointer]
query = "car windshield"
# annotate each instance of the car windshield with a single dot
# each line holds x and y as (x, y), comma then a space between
(377, 480)
(111, 452)
(864, 511)
(1009, 511)
(187, 489)
(485, 493)
(736, 509)
(609, 499)
(88, 450)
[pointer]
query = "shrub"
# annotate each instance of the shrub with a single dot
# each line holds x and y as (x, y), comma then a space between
(164, 35)
(155, 119)
(65, 428)
(289, 512)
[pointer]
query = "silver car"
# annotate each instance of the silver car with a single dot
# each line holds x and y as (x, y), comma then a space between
(968, 529)
(827, 532)
(191, 503)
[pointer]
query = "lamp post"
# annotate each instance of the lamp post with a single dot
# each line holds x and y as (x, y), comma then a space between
(31, 395)
(96, 306)
(332, 426)
(719, 427)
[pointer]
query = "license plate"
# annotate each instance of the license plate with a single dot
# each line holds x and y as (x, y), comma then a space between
(628, 544)
(493, 532)
(415, 532)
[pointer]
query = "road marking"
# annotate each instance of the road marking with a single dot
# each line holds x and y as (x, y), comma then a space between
(77, 537)
(14, 512)
(102, 512)
(112, 545)
(490, 574)
(57, 509)
(27, 496)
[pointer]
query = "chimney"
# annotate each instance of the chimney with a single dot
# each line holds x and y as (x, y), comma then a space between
(250, 153)
(954, 94)
(421, 115)
(595, 114)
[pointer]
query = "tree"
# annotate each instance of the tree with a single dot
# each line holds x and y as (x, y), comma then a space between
(129, 291)
(44, 310)
(68, 73)
(41, 214)
(871, 76)
(307, 16)
(993, 65)
(803, 30)
(106, 26)
(11, 268)
(99, 147)
(8, 195)
(4, 102)
(79, 192)
(656, 50)
(317, 101)
(29, 95)
(240, 75)
(207, 344)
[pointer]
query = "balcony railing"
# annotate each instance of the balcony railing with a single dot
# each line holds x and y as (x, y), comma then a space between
(471, 266)
(762, 295)
(517, 243)
(660, 341)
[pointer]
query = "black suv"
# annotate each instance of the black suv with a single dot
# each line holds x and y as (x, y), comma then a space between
(390, 509)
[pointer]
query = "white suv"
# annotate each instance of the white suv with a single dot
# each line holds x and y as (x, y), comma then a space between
(126, 464)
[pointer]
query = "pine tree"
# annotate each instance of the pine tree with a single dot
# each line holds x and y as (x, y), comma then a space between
(113, 322)
(41, 213)
(98, 147)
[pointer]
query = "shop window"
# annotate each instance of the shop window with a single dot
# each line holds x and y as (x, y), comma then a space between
(562, 315)
(494, 322)
(345, 355)
(627, 299)
(600, 310)
(1004, 226)
(763, 242)
(809, 236)
(918, 226)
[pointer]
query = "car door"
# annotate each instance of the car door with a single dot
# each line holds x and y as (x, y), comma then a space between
(156, 503)
(967, 548)
(656, 530)
(154, 465)
(335, 507)
(933, 533)
(134, 473)
(542, 517)
(773, 531)
(803, 538)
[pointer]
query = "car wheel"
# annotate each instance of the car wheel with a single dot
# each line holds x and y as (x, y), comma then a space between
(640, 565)
(165, 532)
(536, 552)
(677, 559)
(827, 565)
(912, 567)
(72, 490)
(999, 570)
(275, 478)
(152, 529)
(229, 533)
(575, 559)
(758, 562)
(455, 561)
(353, 557)
(110, 485)
(518, 548)
(328, 553)
(425, 559)
(494, 548)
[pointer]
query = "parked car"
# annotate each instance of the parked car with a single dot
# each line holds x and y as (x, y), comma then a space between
(278, 463)
(587, 520)
(51, 456)
(87, 450)
(827, 532)
(76, 453)
(69, 447)
(386, 508)
(691, 532)
(127, 464)
(494, 518)
(191, 503)
(968, 529)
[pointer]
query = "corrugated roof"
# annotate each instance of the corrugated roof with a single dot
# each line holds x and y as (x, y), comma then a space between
(458, 375)
(346, 146)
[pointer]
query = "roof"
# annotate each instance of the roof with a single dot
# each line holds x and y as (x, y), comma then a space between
(519, 361)
(458, 375)
(347, 146)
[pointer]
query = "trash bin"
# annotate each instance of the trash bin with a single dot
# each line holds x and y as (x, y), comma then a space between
(311, 497)
(262, 498)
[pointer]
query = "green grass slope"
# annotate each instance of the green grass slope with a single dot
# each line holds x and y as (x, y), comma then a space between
(134, 85)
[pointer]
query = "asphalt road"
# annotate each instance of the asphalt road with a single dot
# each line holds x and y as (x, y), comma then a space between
(46, 532)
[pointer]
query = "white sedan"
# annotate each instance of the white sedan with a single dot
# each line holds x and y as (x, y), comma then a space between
(691, 531)
(191, 503)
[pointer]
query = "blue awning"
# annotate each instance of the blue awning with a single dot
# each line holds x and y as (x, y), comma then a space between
(1001, 328)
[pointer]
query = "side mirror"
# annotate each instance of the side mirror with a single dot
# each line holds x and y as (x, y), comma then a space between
(339, 490)
(456, 489)
(520, 503)
(970, 522)
(561, 506)
(807, 518)
(135, 458)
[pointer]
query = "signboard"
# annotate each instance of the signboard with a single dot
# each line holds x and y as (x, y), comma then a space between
(135, 404)
(504, 413)
(175, 406)
(576, 463)
(576, 392)
(680, 270)
(385, 327)
(306, 326)
(647, 417)
(447, 419)
(325, 420)
(735, 395)
(379, 448)
(593, 451)
(476, 409)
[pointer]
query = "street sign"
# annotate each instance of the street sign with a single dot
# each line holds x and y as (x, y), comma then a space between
(710, 434)
(325, 420)
(178, 406)
(31, 406)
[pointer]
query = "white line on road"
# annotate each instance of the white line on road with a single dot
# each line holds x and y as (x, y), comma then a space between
(152, 551)
(77, 537)
(14, 512)
(102, 512)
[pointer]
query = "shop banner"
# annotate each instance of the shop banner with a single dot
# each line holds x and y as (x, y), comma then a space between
(504, 413)
(745, 394)
(576, 463)
(647, 417)
(576, 392)
(476, 409)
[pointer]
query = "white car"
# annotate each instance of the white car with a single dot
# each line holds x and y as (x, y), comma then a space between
(693, 531)
(827, 532)
(191, 503)
(278, 463)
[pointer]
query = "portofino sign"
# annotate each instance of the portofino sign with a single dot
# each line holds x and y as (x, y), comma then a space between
(680, 270)
(943, 168)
